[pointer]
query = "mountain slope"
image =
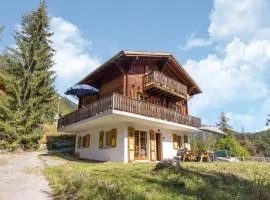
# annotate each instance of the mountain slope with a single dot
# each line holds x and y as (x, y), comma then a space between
(66, 106)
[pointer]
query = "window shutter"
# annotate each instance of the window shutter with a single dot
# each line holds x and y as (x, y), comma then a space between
(152, 145)
(179, 142)
(84, 141)
(79, 142)
(131, 144)
(107, 141)
(113, 137)
(88, 141)
(101, 139)
(175, 142)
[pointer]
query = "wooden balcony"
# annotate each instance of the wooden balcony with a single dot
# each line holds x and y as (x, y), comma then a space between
(122, 103)
(158, 84)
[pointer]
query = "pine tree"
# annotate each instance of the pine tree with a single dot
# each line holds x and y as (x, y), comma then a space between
(29, 100)
(223, 123)
(229, 142)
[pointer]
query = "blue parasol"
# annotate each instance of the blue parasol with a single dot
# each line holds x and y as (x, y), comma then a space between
(82, 90)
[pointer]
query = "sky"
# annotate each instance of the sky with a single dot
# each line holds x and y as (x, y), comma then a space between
(223, 44)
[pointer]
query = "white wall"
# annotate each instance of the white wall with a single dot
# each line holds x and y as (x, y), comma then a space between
(167, 142)
(120, 153)
(93, 152)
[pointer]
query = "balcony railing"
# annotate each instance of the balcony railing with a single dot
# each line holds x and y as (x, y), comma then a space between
(156, 79)
(122, 103)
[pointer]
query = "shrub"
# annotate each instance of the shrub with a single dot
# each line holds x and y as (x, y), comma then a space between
(232, 145)
(198, 145)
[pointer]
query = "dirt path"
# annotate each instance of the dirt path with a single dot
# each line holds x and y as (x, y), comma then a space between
(21, 176)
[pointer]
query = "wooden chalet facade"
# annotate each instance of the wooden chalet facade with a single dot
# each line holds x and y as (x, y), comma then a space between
(140, 111)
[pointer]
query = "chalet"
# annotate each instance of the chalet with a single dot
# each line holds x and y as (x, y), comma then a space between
(138, 111)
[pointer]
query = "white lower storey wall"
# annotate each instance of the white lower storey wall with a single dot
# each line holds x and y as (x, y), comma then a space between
(93, 152)
(120, 152)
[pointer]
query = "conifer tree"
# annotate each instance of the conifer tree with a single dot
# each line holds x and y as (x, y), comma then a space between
(29, 81)
(223, 123)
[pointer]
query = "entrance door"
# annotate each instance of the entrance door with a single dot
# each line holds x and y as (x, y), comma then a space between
(140, 145)
(158, 145)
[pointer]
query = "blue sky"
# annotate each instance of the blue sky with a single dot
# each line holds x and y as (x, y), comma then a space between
(223, 44)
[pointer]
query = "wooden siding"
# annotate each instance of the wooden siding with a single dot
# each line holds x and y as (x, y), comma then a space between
(122, 103)
(115, 85)
(130, 83)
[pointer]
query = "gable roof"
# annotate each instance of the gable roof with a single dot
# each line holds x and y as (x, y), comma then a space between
(127, 53)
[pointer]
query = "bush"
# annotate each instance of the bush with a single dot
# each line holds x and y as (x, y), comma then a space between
(232, 145)
(198, 145)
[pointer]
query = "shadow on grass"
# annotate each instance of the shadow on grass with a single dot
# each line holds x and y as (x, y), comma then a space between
(113, 182)
(215, 185)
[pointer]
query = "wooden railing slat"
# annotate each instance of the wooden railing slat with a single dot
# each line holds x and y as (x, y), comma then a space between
(165, 82)
(126, 104)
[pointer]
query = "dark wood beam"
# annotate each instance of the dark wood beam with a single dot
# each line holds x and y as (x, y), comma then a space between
(162, 63)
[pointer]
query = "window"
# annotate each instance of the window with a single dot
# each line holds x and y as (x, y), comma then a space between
(101, 139)
(177, 141)
(83, 141)
(110, 140)
(79, 142)
(113, 138)
(107, 139)
(185, 139)
(140, 144)
(87, 141)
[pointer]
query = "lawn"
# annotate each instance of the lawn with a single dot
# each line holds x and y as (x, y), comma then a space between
(81, 180)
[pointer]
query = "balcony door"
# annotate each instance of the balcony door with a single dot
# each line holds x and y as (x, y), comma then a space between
(140, 145)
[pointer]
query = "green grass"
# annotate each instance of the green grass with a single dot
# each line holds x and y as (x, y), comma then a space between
(79, 180)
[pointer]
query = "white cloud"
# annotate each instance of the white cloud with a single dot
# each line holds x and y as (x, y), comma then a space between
(237, 72)
(235, 18)
(245, 19)
(72, 58)
(193, 41)
(246, 121)
(239, 75)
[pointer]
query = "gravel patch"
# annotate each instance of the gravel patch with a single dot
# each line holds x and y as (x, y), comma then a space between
(21, 176)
